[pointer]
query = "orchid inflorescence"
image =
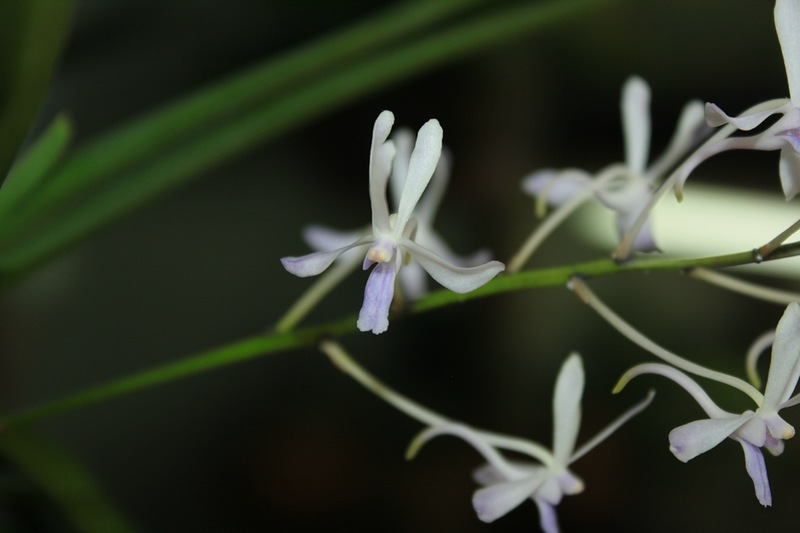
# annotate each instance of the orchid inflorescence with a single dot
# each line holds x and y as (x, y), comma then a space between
(400, 243)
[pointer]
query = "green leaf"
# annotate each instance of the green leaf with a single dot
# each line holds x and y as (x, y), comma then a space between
(69, 485)
(32, 34)
(199, 113)
(29, 170)
(187, 158)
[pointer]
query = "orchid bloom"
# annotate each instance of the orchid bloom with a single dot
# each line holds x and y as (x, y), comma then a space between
(752, 429)
(392, 237)
(507, 483)
(411, 277)
(624, 188)
(783, 135)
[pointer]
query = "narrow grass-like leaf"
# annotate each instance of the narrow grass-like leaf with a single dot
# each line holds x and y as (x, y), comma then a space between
(186, 161)
(159, 131)
(32, 34)
(34, 164)
(65, 481)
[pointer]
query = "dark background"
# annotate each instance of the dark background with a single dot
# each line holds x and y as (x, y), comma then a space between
(286, 442)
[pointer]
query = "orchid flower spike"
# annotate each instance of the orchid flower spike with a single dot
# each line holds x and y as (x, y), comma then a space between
(752, 429)
(783, 135)
(507, 483)
(624, 188)
(393, 237)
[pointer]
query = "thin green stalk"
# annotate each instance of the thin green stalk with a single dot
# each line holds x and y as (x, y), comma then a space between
(233, 353)
(278, 342)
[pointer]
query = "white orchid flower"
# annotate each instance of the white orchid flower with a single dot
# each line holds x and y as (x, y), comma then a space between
(507, 483)
(391, 238)
(752, 429)
(412, 281)
(624, 188)
(783, 135)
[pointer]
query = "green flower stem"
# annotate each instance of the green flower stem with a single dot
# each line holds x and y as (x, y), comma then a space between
(202, 362)
(185, 161)
(779, 239)
(278, 342)
(551, 277)
(160, 130)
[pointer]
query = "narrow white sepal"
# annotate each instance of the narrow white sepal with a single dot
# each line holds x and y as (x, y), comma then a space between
(492, 502)
(690, 440)
(423, 162)
(784, 367)
(636, 123)
(787, 24)
(316, 263)
(380, 161)
(567, 408)
(457, 279)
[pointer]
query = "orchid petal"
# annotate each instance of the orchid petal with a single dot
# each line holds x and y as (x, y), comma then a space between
(430, 201)
(558, 187)
(403, 141)
(690, 440)
(457, 279)
(715, 116)
(423, 162)
(787, 24)
(791, 402)
(778, 428)
(754, 430)
(315, 263)
(644, 241)
(757, 470)
(628, 195)
(548, 520)
(374, 314)
(790, 172)
(567, 408)
(380, 162)
(636, 123)
(496, 500)
(413, 282)
(784, 367)
(488, 475)
(550, 491)
(691, 126)
(429, 239)
(322, 238)
(773, 445)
